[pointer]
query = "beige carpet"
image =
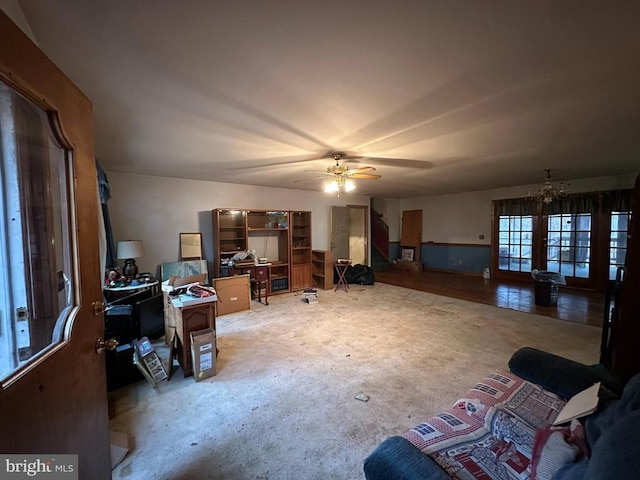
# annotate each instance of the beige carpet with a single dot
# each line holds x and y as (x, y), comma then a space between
(282, 404)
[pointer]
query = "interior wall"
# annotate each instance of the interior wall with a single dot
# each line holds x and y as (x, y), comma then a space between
(464, 217)
(389, 208)
(14, 12)
(157, 209)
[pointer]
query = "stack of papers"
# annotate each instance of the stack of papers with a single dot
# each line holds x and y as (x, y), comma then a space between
(310, 295)
(580, 405)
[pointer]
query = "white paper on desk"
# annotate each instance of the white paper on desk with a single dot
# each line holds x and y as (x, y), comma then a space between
(580, 405)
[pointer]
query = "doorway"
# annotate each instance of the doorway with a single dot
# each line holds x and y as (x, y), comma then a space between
(411, 232)
(350, 233)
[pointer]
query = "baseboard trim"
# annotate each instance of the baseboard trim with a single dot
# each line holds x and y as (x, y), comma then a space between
(442, 270)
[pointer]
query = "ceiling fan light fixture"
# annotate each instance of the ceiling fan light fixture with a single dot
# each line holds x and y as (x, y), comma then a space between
(349, 186)
(332, 187)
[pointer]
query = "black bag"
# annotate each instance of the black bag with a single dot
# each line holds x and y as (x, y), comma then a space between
(360, 274)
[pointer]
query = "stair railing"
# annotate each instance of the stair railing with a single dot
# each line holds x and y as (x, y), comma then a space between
(379, 234)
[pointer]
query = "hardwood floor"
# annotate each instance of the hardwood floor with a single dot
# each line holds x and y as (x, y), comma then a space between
(573, 305)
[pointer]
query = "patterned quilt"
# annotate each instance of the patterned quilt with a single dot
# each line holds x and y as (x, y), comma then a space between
(489, 433)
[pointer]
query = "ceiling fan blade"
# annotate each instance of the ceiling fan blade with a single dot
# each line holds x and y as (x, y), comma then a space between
(274, 162)
(362, 170)
(369, 176)
(391, 162)
(318, 177)
(320, 172)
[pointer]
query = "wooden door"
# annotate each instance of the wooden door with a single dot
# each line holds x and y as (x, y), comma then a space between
(359, 234)
(55, 402)
(340, 232)
(411, 234)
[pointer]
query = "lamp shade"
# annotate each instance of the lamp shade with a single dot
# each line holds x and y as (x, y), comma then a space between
(130, 249)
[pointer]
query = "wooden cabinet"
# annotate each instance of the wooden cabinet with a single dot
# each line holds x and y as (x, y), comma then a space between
(282, 237)
(322, 269)
(625, 331)
(300, 277)
(300, 229)
(186, 320)
(229, 236)
(268, 235)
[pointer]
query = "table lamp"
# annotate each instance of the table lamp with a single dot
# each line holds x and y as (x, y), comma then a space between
(129, 251)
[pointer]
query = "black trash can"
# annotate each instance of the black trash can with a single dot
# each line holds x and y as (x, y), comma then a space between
(546, 287)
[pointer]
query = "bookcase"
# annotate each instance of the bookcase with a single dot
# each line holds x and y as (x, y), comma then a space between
(282, 237)
(268, 235)
(300, 250)
(322, 269)
(229, 236)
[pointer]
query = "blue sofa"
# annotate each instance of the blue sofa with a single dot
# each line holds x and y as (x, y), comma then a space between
(612, 432)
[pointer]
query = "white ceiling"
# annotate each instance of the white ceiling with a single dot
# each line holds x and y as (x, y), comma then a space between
(440, 96)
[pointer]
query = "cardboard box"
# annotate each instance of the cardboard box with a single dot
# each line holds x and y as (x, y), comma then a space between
(203, 353)
(406, 266)
(119, 447)
(234, 294)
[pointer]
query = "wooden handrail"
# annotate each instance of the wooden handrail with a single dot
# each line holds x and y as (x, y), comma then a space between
(379, 234)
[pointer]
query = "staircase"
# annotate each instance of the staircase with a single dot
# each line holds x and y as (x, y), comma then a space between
(379, 243)
(378, 262)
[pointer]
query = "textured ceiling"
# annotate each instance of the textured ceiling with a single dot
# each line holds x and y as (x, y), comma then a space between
(439, 96)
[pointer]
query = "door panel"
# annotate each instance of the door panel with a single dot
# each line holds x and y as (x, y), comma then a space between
(411, 234)
(340, 232)
(58, 404)
(568, 245)
(358, 234)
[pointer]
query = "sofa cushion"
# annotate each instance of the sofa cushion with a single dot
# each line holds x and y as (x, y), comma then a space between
(560, 375)
(616, 455)
(489, 433)
(612, 411)
(397, 459)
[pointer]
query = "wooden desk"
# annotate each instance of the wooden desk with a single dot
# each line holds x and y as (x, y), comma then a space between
(112, 294)
(184, 320)
(259, 278)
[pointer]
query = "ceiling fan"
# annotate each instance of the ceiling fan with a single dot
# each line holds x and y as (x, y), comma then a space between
(341, 175)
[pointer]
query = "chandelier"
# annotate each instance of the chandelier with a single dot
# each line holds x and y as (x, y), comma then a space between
(340, 184)
(547, 192)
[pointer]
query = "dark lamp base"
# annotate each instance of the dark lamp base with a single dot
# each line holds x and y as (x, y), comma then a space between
(130, 269)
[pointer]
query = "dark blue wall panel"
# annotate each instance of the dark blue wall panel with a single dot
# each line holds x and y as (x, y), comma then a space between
(459, 258)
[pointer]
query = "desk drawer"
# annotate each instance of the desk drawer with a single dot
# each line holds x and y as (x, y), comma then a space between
(262, 273)
(242, 271)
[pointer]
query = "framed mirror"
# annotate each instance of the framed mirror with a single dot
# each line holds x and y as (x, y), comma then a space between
(190, 246)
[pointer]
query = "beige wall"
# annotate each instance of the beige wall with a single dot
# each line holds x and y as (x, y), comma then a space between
(156, 209)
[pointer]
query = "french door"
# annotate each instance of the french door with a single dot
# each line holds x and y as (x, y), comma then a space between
(567, 247)
(587, 247)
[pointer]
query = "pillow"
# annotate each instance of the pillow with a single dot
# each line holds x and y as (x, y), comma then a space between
(556, 447)
(180, 281)
(172, 279)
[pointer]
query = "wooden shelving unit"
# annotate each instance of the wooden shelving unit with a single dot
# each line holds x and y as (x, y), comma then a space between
(300, 250)
(268, 235)
(283, 237)
(322, 269)
(229, 236)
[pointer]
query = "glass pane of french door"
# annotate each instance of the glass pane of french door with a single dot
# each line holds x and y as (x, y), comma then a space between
(36, 239)
(618, 241)
(515, 242)
(569, 244)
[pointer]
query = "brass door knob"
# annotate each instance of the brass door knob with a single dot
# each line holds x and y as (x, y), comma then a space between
(102, 345)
